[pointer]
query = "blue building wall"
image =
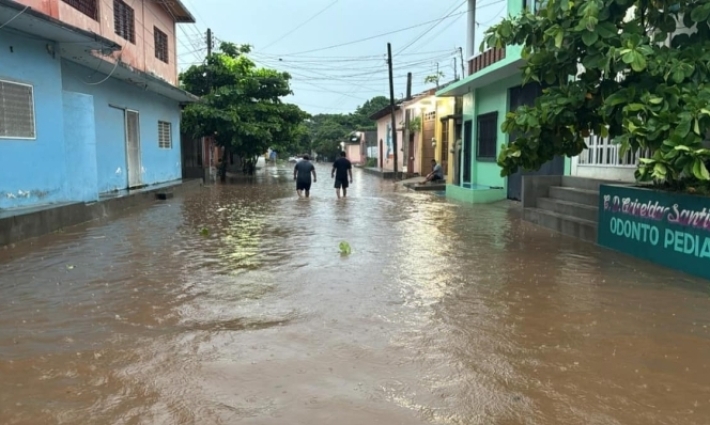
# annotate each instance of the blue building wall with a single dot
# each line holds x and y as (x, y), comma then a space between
(81, 183)
(32, 171)
(110, 97)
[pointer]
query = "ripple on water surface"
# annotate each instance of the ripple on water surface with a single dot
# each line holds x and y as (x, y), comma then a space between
(231, 304)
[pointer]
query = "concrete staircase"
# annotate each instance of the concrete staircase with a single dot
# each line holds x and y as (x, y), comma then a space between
(565, 204)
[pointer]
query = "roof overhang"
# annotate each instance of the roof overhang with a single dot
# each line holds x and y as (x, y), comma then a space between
(119, 70)
(18, 17)
(421, 101)
(387, 110)
(484, 77)
(178, 11)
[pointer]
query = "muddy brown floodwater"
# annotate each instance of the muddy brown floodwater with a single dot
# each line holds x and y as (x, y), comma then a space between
(442, 314)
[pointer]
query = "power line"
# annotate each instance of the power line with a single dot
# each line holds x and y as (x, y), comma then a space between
(436, 23)
(345, 59)
(372, 37)
(302, 24)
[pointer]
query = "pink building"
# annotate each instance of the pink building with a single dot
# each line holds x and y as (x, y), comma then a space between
(384, 137)
(145, 29)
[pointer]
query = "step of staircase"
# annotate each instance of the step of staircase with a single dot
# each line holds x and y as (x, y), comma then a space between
(587, 183)
(577, 196)
(564, 224)
(572, 209)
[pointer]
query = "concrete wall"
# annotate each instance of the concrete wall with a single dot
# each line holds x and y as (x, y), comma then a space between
(388, 160)
(492, 98)
(624, 174)
(81, 183)
(32, 171)
(353, 153)
(158, 164)
(141, 55)
(48, 7)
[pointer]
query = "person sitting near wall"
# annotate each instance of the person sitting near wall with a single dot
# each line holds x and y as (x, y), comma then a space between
(436, 175)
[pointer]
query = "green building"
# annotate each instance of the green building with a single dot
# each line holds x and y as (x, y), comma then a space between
(490, 90)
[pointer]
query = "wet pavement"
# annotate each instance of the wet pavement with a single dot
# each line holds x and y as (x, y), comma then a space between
(232, 305)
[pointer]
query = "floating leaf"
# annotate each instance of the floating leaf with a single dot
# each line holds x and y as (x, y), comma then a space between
(205, 232)
(345, 248)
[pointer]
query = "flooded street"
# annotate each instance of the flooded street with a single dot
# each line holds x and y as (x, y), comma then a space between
(232, 305)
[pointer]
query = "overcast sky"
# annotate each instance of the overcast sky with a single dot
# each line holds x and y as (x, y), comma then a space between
(287, 35)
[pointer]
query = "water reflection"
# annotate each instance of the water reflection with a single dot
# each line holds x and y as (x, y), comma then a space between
(443, 314)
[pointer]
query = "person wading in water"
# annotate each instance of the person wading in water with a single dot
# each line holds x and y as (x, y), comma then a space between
(342, 169)
(302, 175)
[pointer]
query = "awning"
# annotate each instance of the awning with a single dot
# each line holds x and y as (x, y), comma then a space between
(485, 77)
(18, 17)
(127, 74)
(178, 11)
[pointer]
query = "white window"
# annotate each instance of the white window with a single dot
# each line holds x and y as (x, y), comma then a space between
(165, 138)
(17, 116)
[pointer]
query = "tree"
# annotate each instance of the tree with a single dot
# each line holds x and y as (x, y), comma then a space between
(327, 131)
(241, 105)
(641, 82)
(371, 106)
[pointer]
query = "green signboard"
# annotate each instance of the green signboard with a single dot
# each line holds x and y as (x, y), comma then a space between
(666, 228)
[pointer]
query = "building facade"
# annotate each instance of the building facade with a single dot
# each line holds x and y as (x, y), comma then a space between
(385, 144)
(431, 134)
(492, 88)
(88, 98)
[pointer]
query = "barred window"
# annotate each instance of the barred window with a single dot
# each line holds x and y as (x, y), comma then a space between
(124, 21)
(487, 136)
(17, 116)
(161, 45)
(165, 138)
(87, 7)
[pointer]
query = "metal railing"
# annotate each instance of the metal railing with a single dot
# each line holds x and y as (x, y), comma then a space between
(602, 152)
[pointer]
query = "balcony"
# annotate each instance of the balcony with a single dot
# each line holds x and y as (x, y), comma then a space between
(485, 59)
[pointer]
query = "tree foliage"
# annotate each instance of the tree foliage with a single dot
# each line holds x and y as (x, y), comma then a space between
(623, 69)
(327, 131)
(241, 105)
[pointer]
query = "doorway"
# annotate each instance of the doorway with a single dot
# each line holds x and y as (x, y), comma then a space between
(525, 96)
(428, 152)
(410, 152)
(382, 156)
(466, 152)
(133, 149)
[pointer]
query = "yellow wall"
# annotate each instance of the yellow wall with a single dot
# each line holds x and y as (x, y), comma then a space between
(445, 107)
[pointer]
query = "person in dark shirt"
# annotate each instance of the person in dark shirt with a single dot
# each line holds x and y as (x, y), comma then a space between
(342, 169)
(302, 175)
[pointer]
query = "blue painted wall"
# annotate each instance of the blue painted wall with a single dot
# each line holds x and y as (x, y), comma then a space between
(32, 171)
(159, 165)
(81, 183)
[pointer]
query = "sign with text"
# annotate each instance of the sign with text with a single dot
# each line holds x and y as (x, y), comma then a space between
(669, 229)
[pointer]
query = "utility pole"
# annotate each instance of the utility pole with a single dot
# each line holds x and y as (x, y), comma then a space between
(406, 133)
(209, 42)
(456, 71)
(392, 107)
(409, 86)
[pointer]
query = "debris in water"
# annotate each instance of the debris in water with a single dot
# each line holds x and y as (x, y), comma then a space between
(205, 232)
(345, 248)
(70, 267)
